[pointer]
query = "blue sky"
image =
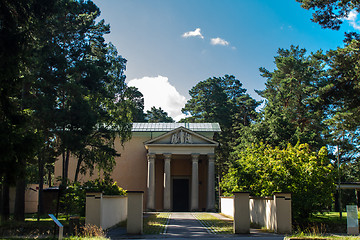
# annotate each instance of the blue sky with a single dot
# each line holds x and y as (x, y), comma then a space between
(171, 45)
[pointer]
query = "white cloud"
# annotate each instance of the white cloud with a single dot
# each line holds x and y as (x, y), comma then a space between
(352, 17)
(195, 33)
(159, 92)
(219, 41)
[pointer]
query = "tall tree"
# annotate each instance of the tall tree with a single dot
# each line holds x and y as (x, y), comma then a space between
(156, 115)
(222, 100)
(60, 83)
(137, 99)
(83, 79)
(293, 110)
(20, 21)
(330, 14)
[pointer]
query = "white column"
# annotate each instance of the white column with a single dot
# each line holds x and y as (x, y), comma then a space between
(167, 181)
(151, 182)
(211, 183)
(195, 182)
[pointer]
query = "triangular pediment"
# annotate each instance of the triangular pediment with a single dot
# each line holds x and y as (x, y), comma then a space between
(181, 136)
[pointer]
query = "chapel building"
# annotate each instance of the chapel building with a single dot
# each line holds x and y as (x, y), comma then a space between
(173, 163)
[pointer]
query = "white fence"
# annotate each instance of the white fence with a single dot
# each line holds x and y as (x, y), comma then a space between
(105, 211)
(273, 213)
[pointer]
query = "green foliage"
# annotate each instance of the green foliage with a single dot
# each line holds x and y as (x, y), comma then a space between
(137, 106)
(222, 100)
(106, 186)
(157, 115)
(263, 170)
(74, 198)
(330, 14)
(293, 110)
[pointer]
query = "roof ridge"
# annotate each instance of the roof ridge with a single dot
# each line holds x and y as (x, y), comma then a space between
(165, 127)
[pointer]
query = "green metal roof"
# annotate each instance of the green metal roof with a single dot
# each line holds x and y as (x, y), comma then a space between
(165, 127)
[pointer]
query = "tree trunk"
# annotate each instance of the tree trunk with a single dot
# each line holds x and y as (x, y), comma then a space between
(78, 168)
(5, 200)
(49, 176)
(41, 186)
(67, 166)
(66, 156)
(19, 210)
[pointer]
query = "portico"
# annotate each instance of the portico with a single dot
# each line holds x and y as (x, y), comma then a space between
(186, 160)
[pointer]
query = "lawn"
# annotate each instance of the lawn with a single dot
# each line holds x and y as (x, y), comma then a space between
(321, 223)
(33, 228)
(333, 217)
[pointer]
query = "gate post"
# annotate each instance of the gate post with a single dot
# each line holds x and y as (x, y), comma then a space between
(283, 212)
(135, 212)
(241, 212)
(93, 208)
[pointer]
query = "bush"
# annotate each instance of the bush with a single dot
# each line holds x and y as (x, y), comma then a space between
(263, 170)
(74, 198)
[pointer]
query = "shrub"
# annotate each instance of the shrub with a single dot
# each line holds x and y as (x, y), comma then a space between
(263, 170)
(74, 198)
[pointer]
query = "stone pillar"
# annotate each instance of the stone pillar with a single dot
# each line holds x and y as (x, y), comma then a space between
(167, 182)
(283, 212)
(135, 212)
(151, 182)
(211, 183)
(195, 182)
(93, 208)
(241, 212)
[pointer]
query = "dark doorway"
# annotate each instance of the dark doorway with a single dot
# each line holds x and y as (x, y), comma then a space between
(180, 195)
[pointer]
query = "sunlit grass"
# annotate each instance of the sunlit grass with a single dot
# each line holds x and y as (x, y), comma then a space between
(330, 217)
(214, 224)
(66, 238)
(315, 236)
(155, 223)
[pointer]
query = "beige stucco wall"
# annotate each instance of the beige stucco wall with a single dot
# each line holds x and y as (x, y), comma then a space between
(31, 198)
(130, 171)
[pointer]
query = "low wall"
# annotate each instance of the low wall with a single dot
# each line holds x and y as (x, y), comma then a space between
(105, 211)
(114, 210)
(227, 206)
(273, 213)
(262, 212)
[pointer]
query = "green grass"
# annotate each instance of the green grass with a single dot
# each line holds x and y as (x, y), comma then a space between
(333, 217)
(155, 223)
(311, 236)
(31, 227)
(214, 224)
(328, 222)
(66, 238)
